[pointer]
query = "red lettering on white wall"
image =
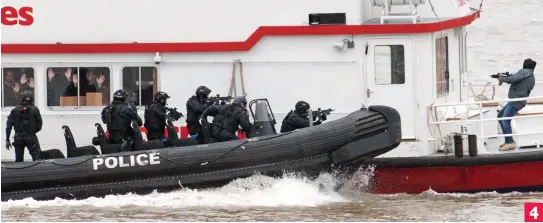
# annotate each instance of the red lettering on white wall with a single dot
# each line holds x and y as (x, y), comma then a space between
(11, 16)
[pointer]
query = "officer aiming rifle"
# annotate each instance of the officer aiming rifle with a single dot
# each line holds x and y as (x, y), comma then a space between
(321, 114)
(173, 115)
(218, 100)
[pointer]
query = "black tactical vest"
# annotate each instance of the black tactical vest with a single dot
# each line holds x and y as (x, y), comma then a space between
(114, 120)
(285, 126)
(226, 119)
(24, 122)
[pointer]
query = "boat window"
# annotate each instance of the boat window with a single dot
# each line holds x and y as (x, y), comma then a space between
(442, 66)
(16, 80)
(142, 81)
(389, 64)
(78, 86)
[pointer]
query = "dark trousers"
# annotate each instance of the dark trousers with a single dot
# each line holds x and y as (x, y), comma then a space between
(123, 138)
(222, 135)
(29, 141)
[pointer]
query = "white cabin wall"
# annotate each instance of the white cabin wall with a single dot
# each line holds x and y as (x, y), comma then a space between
(282, 69)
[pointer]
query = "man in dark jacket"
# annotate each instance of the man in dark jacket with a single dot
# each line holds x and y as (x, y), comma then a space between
(118, 116)
(522, 83)
(298, 118)
(26, 120)
(227, 119)
(196, 105)
(155, 117)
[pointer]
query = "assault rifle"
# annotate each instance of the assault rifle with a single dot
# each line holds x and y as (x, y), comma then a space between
(220, 100)
(173, 115)
(498, 75)
(322, 113)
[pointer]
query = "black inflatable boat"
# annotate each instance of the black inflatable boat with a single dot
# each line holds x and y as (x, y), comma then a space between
(363, 134)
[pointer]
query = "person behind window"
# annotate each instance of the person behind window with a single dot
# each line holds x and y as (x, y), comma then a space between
(57, 85)
(196, 105)
(298, 118)
(102, 87)
(11, 89)
(26, 83)
(26, 120)
(71, 89)
(118, 117)
(227, 119)
(522, 83)
(155, 117)
(87, 84)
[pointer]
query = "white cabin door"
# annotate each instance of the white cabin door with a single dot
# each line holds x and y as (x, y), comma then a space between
(389, 71)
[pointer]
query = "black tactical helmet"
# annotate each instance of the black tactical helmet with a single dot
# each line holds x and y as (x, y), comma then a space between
(203, 92)
(120, 95)
(161, 97)
(240, 101)
(27, 96)
(302, 107)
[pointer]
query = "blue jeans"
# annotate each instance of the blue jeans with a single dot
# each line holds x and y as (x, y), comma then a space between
(509, 110)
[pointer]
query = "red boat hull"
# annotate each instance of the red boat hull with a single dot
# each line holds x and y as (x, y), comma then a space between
(519, 176)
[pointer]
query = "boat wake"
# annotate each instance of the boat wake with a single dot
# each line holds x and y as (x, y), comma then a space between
(256, 191)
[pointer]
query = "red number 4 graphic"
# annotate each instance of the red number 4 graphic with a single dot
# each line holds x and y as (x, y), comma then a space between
(531, 212)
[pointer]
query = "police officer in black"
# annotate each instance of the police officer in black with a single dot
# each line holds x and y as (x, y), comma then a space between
(196, 105)
(227, 118)
(298, 118)
(26, 120)
(155, 117)
(118, 116)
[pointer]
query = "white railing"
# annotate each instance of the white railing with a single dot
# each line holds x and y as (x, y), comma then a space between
(482, 136)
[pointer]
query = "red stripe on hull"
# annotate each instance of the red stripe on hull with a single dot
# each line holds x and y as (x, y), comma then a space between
(457, 178)
(241, 46)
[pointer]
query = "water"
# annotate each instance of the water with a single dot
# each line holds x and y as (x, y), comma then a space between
(507, 33)
(261, 198)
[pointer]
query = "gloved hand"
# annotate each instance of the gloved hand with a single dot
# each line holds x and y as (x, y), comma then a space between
(8, 144)
(164, 140)
(500, 80)
(209, 102)
(323, 117)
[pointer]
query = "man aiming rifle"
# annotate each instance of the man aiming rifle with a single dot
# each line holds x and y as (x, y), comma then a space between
(298, 118)
(522, 83)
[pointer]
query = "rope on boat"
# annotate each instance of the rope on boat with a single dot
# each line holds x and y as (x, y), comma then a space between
(233, 88)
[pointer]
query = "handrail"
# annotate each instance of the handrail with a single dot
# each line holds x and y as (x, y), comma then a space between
(482, 136)
(486, 102)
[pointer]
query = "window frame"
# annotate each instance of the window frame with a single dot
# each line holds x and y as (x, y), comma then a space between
(7, 65)
(78, 108)
(139, 66)
(442, 93)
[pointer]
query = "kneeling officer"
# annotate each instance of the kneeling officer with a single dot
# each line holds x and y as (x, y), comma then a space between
(118, 116)
(227, 118)
(155, 117)
(298, 119)
(26, 119)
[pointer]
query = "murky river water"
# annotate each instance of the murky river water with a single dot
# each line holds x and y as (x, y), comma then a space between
(507, 33)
